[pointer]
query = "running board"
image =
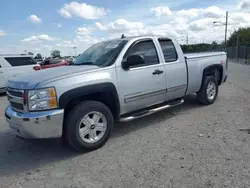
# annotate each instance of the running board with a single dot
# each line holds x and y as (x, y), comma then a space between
(150, 111)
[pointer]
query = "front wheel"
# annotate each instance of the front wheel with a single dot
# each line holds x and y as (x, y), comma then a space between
(88, 126)
(209, 90)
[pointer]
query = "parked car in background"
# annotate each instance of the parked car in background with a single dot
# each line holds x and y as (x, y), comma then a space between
(39, 61)
(50, 63)
(13, 65)
(69, 59)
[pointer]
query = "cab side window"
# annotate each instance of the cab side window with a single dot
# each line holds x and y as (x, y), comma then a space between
(147, 50)
(168, 50)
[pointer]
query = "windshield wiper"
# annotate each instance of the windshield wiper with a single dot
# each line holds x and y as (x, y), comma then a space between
(84, 63)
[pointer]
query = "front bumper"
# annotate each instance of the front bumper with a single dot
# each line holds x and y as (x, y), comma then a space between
(35, 125)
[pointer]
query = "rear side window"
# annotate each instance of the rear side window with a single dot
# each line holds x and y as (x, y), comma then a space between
(147, 50)
(20, 61)
(168, 50)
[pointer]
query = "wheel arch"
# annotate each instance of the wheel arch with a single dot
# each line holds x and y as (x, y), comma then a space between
(102, 92)
(215, 70)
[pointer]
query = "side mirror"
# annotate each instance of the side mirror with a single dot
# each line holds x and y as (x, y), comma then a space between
(133, 60)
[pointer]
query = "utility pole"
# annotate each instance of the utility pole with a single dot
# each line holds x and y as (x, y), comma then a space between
(187, 39)
(237, 47)
(225, 24)
(226, 29)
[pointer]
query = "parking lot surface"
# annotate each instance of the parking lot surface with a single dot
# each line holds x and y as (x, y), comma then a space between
(189, 146)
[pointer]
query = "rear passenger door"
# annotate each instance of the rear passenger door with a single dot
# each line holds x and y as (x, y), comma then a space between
(175, 68)
(142, 85)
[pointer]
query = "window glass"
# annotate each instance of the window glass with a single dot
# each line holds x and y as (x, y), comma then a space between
(20, 61)
(168, 50)
(101, 54)
(147, 50)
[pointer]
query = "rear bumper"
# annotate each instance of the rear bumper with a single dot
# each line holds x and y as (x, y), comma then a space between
(35, 125)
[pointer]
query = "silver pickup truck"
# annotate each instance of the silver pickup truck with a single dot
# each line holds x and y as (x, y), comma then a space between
(115, 80)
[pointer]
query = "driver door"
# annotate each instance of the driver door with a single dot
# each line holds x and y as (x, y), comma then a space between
(142, 85)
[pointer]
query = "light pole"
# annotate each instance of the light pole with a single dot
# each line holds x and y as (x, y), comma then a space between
(237, 44)
(225, 24)
(75, 50)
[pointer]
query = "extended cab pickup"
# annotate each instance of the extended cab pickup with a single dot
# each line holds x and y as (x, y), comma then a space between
(120, 79)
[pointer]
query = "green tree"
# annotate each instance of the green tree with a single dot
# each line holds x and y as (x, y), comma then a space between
(202, 47)
(243, 35)
(55, 53)
(38, 56)
(214, 45)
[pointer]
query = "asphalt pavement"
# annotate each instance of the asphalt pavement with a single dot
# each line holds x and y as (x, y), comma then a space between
(189, 146)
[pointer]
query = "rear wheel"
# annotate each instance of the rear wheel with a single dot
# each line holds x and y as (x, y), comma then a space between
(88, 126)
(209, 90)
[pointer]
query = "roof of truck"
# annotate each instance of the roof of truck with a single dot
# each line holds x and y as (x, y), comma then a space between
(142, 36)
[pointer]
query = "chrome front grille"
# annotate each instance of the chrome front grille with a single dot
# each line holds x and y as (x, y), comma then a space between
(16, 105)
(15, 98)
(16, 93)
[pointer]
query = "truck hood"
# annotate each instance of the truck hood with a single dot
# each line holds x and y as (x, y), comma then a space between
(30, 80)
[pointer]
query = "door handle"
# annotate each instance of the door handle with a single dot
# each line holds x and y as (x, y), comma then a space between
(157, 71)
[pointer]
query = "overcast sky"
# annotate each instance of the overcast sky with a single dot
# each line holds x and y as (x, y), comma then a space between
(45, 25)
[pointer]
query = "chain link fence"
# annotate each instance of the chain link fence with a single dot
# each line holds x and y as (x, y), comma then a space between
(242, 53)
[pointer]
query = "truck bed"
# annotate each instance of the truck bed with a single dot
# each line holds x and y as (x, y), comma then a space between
(196, 62)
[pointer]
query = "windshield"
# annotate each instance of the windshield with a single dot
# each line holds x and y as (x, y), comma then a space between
(101, 54)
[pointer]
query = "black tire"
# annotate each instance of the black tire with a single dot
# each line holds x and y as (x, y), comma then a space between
(72, 122)
(202, 95)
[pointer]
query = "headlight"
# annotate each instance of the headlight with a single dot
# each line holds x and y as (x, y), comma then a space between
(42, 99)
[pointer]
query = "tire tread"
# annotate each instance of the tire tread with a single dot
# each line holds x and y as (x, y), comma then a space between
(71, 123)
(202, 95)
